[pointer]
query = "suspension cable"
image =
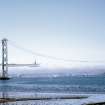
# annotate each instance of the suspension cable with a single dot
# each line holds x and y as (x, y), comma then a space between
(12, 43)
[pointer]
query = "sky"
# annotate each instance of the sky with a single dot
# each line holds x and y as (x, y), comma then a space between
(67, 29)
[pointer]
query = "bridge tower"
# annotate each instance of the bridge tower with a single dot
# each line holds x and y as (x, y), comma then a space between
(4, 75)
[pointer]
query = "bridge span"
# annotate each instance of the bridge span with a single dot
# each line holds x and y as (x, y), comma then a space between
(5, 64)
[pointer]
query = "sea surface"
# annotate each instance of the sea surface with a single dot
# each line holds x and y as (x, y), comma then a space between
(55, 84)
(31, 86)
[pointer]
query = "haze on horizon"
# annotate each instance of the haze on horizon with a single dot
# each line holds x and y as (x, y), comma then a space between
(68, 29)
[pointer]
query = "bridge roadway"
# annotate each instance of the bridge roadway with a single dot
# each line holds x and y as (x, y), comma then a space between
(21, 65)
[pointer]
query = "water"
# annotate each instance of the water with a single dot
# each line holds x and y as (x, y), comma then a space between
(19, 87)
(58, 84)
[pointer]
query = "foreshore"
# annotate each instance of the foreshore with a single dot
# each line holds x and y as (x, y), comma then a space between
(6, 100)
(100, 103)
(3, 100)
(29, 99)
(60, 99)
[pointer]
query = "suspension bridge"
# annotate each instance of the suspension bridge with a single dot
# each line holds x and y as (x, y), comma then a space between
(5, 64)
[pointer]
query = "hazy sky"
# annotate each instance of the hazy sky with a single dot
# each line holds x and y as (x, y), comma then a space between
(69, 29)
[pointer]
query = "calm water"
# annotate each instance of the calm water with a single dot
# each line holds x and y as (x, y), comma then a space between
(19, 87)
(58, 84)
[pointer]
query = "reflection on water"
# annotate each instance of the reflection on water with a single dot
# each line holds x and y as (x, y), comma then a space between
(29, 87)
(4, 93)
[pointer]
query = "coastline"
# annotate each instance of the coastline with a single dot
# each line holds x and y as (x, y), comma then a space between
(3, 100)
(72, 99)
(98, 103)
(47, 98)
